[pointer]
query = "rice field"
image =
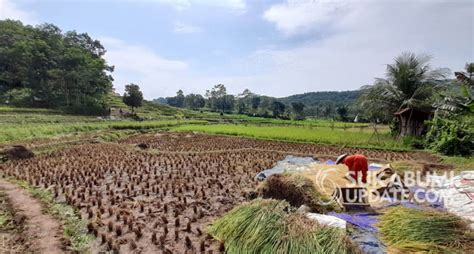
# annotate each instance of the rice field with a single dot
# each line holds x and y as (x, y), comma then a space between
(354, 136)
(160, 186)
(164, 196)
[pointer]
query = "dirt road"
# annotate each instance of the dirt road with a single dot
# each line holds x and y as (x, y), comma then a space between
(41, 232)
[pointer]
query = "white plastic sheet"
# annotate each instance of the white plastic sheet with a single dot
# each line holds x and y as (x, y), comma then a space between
(457, 193)
(290, 163)
(327, 220)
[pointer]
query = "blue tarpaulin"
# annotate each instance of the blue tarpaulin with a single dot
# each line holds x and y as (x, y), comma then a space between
(368, 241)
(365, 233)
(363, 220)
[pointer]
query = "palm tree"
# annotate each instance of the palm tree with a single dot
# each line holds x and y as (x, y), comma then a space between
(410, 83)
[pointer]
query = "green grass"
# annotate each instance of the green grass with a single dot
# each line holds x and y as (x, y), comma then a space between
(75, 230)
(460, 163)
(4, 218)
(349, 137)
(9, 109)
(15, 132)
(6, 215)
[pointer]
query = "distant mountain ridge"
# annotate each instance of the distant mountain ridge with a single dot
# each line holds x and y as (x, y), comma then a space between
(318, 98)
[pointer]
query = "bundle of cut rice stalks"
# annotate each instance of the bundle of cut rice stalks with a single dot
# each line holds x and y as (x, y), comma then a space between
(297, 190)
(430, 231)
(267, 226)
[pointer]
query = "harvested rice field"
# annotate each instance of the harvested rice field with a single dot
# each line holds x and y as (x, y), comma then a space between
(158, 193)
(196, 142)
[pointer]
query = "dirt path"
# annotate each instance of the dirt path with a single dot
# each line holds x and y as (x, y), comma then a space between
(42, 231)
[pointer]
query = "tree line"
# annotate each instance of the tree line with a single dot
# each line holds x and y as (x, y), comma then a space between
(43, 66)
(218, 100)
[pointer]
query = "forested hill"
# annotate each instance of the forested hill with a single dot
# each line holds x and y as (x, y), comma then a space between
(42, 66)
(318, 98)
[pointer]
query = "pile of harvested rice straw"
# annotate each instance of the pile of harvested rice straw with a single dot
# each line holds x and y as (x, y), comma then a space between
(432, 231)
(268, 226)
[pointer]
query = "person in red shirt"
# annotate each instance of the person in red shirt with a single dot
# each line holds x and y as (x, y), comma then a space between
(357, 165)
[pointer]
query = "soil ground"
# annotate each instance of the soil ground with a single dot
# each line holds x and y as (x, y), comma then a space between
(34, 231)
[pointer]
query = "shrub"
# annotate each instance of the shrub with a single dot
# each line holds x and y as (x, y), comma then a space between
(413, 142)
(18, 97)
(450, 137)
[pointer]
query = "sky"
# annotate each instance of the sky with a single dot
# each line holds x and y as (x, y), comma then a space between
(275, 48)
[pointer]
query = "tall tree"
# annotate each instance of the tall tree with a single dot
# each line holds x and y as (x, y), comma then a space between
(278, 108)
(178, 100)
(342, 112)
(244, 101)
(255, 102)
(133, 97)
(298, 109)
(218, 98)
(56, 69)
(194, 101)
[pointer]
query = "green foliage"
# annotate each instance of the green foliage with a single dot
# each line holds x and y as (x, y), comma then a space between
(219, 100)
(255, 102)
(323, 104)
(52, 69)
(278, 108)
(267, 226)
(413, 142)
(423, 230)
(178, 100)
(298, 110)
(194, 101)
(451, 137)
(342, 113)
(18, 97)
(460, 102)
(133, 97)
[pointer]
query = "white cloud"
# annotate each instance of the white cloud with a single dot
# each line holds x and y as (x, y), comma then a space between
(236, 6)
(177, 4)
(362, 39)
(181, 28)
(296, 16)
(9, 10)
(141, 65)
